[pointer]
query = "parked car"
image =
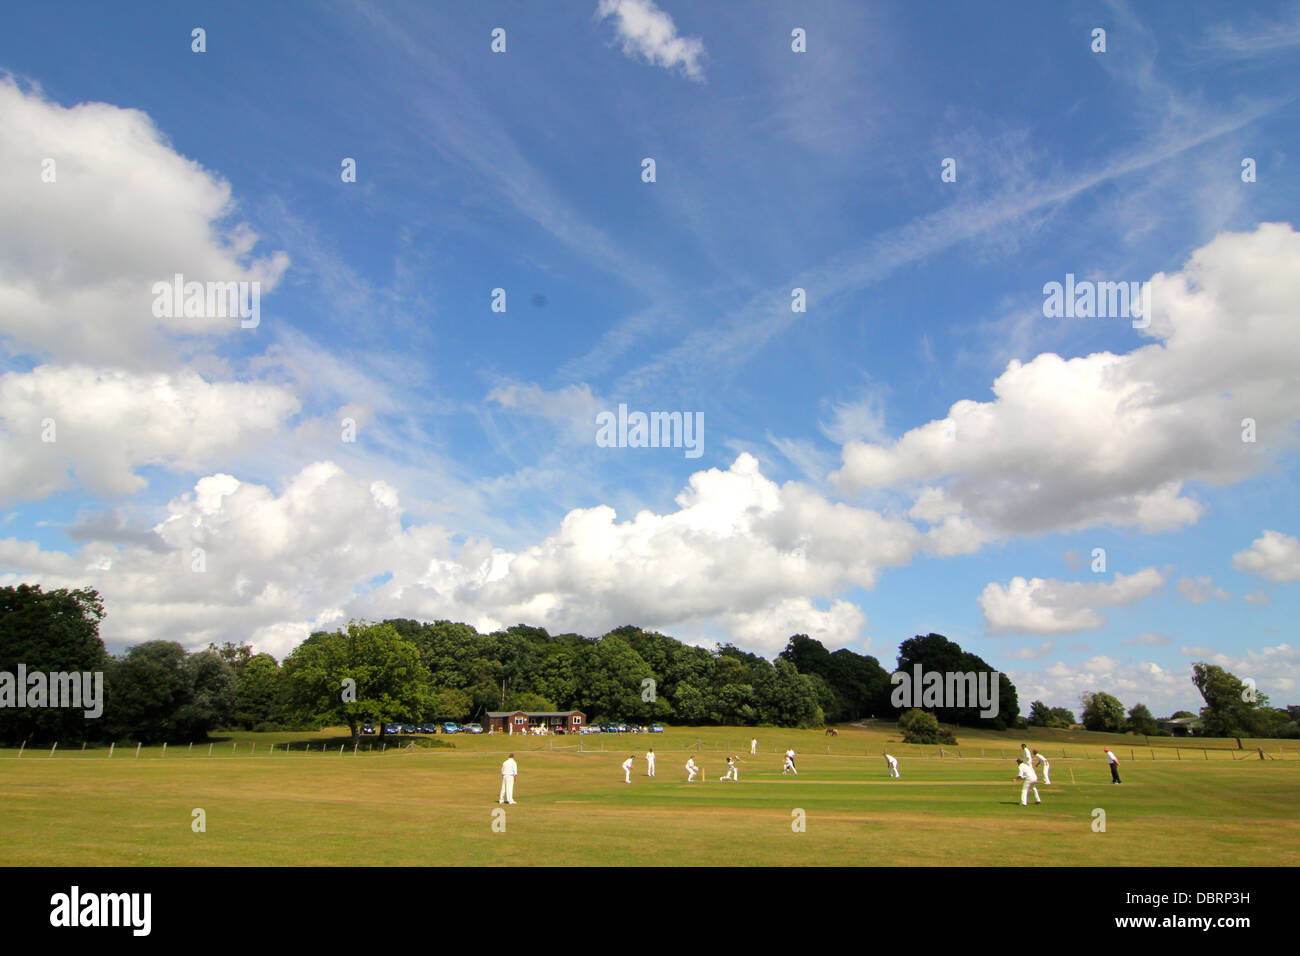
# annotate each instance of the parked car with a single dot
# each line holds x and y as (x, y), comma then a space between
(472, 729)
(426, 729)
(367, 728)
(392, 728)
(656, 728)
(450, 728)
(609, 728)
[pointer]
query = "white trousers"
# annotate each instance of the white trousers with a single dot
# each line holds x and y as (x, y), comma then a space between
(1024, 793)
(627, 775)
(692, 771)
(893, 771)
(507, 788)
(1047, 773)
(650, 768)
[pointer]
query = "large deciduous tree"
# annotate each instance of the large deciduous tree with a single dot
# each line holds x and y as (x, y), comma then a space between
(935, 653)
(364, 672)
(1232, 707)
(1102, 712)
(50, 632)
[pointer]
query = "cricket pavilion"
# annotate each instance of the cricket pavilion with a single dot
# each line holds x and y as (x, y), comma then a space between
(535, 721)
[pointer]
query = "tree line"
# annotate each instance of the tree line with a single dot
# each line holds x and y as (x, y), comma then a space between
(1233, 708)
(410, 671)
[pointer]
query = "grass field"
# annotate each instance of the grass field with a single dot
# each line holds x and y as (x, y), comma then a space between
(1184, 802)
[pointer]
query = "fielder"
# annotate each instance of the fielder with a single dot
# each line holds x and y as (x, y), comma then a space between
(650, 762)
(1024, 754)
(509, 770)
(1114, 766)
(1026, 773)
(1047, 768)
(893, 766)
(691, 770)
(627, 769)
(753, 746)
(789, 763)
(733, 771)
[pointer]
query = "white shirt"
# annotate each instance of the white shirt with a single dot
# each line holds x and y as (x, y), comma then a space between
(1027, 773)
(892, 761)
(1111, 757)
(1042, 758)
(790, 754)
(1024, 752)
(627, 764)
(509, 768)
(690, 765)
(650, 757)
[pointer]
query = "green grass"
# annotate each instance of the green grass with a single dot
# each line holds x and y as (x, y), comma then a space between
(435, 806)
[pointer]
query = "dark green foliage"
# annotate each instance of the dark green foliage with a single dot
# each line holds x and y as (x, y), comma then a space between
(49, 632)
(160, 693)
(921, 727)
(1140, 721)
(935, 653)
(1102, 712)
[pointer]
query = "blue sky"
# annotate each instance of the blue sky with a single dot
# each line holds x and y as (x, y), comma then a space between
(908, 454)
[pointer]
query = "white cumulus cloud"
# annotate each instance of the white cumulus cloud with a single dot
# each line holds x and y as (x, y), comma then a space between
(1049, 606)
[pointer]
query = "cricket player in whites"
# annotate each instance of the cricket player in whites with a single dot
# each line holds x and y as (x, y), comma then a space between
(627, 769)
(893, 766)
(753, 746)
(789, 767)
(1024, 755)
(733, 772)
(691, 769)
(1026, 773)
(509, 770)
(650, 762)
(1047, 768)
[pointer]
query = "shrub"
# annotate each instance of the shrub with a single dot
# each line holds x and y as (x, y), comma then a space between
(919, 727)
